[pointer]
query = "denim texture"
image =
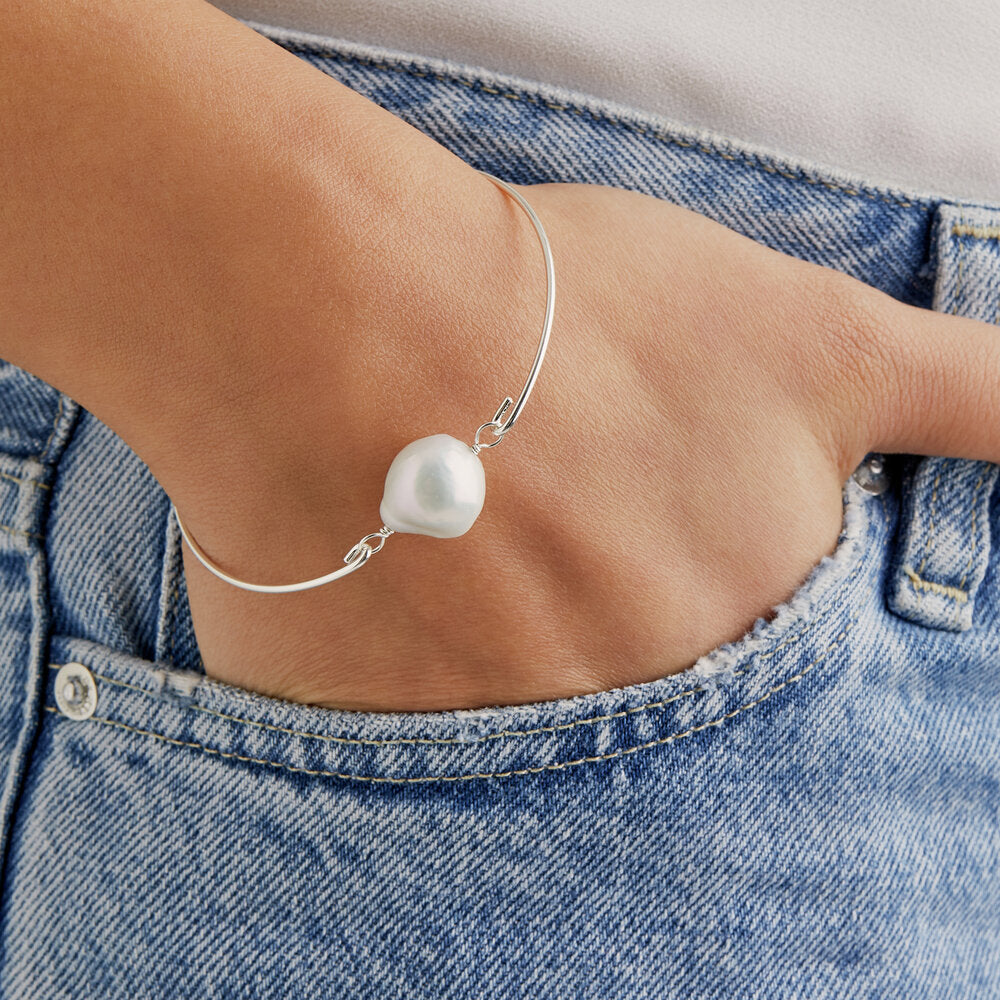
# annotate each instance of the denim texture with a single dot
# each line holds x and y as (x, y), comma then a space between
(809, 811)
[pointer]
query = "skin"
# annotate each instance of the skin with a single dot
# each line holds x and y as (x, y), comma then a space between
(268, 286)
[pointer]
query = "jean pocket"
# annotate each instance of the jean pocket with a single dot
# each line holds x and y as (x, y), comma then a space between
(186, 711)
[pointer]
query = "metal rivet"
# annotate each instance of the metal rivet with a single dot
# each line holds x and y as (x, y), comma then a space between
(76, 691)
(871, 475)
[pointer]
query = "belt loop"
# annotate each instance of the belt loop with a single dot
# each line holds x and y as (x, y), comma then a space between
(943, 542)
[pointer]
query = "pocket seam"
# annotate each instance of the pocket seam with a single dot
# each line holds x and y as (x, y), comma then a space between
(505, 734)
(417, 779)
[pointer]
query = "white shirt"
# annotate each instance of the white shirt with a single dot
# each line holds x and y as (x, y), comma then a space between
(899, 92)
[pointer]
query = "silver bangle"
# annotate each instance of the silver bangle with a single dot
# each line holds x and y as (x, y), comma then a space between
(436, 485)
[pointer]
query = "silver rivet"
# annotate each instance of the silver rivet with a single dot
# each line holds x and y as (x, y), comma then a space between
(871, 475)
(76, 691)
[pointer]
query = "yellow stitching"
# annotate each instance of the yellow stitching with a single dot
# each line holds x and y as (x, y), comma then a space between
(627, 126)
(979, 232)
(482, 774)
(927, 541)
(55, 424)
(961, 260)
(369, 742)
(959, 595)
(25, 482)
(958, 279)
(18, 531)
(975, 540)
(503, 734)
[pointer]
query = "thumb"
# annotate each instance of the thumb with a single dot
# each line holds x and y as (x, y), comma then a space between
(935, 385)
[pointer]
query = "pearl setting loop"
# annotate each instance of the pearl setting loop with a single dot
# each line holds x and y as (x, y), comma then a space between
(436, 485)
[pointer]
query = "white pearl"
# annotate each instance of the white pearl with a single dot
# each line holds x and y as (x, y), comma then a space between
(435, 486)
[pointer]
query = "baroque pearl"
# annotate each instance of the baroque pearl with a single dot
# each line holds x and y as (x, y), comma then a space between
(435, 486)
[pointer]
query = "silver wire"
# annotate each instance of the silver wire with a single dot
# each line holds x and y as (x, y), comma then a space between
(550, 305)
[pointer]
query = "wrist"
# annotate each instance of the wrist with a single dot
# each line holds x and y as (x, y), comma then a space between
(442, 331)
(278, 461)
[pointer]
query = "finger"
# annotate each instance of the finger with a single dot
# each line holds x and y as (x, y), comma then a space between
(931, 380)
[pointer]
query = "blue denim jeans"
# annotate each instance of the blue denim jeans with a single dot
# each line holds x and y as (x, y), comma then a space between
(809, 811)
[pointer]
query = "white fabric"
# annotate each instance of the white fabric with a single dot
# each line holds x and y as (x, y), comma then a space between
(900, 92)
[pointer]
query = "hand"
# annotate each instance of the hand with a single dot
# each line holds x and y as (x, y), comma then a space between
(283, 285)
(676, 473)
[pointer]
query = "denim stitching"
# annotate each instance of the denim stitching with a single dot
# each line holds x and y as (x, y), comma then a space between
(958, 278)
(975, 539)
(959, 593)
(930, 535)
(482, 774)
(504, 734)
(18, 531)
(55, 424)
(628, 126)
(920, 584)
(450, 739)
(25, 482)
(979, 232)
